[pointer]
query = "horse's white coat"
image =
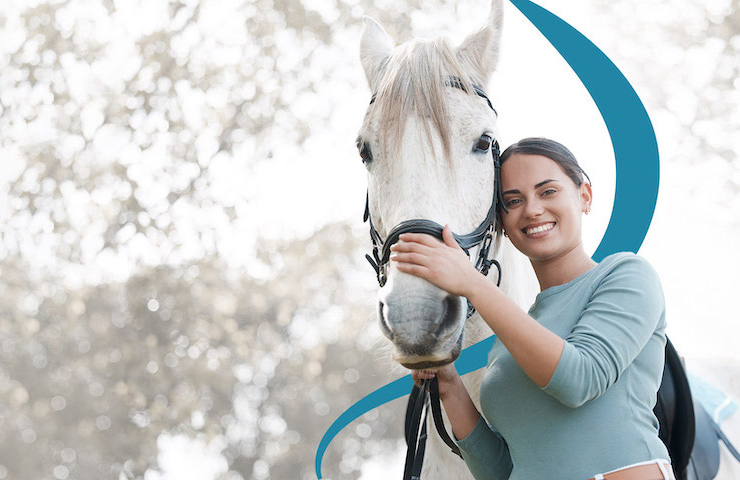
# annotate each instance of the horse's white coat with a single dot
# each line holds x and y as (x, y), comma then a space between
(423, 167)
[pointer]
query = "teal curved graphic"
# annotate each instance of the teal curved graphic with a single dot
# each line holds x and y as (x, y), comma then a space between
(472, 358)
(637, 161)
(632, 134)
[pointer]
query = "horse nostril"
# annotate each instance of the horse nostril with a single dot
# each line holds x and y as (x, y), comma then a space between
(449, 315)
(384, 325)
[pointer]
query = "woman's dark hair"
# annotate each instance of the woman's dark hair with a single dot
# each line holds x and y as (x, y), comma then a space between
(555, 151)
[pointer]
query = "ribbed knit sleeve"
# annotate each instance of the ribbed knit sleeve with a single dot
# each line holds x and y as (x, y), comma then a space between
(621, 315)
(485, 452)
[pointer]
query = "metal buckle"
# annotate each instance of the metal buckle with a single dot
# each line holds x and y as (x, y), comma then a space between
(383, 274)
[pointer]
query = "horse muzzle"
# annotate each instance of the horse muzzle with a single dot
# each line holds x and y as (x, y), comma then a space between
(426, 332)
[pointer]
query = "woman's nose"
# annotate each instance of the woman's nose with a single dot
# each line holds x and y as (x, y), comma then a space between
(533, 209)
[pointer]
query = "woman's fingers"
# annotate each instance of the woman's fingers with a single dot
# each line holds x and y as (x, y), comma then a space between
(426, 257)
(448, 238)
(411, 257)
(411, 246)
(417, 270)
(423, 238)
(419, 375)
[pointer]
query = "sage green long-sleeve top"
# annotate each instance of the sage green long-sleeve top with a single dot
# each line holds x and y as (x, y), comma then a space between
(596, 413)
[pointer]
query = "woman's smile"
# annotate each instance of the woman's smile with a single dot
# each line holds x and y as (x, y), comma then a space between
(538, 230)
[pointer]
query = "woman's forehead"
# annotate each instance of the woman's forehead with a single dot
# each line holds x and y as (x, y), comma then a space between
(530, 169)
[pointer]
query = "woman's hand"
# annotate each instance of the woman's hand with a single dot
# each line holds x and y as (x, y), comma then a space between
(443, 264)
(447, 379)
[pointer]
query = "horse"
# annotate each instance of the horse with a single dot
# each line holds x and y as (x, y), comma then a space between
(417, 142)
(426, 141)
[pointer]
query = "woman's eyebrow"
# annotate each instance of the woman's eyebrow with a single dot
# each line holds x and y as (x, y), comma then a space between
(535, 187)
(544, 182)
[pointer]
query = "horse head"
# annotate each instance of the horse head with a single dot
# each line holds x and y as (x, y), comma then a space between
(426, 142)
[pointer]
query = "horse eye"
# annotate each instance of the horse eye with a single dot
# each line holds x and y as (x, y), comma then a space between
(484, 143)
(365, 153)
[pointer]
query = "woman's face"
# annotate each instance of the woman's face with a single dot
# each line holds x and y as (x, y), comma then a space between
(545, 206)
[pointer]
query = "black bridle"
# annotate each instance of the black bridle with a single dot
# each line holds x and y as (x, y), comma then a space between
(483, 234)
(426, 396)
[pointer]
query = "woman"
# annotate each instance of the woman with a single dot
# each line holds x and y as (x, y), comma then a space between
(571, 384)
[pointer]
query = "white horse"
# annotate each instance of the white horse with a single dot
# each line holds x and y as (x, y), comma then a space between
(418, 143)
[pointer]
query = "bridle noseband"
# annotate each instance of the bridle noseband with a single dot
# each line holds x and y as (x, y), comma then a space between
(483, 234)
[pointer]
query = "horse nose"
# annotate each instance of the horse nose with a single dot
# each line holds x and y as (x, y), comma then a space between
(417, 327)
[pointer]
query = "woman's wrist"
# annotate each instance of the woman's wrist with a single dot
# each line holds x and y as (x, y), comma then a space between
(455, 389)
(480, 286)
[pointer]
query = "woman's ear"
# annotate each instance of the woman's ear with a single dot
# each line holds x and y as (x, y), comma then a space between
(586, 195)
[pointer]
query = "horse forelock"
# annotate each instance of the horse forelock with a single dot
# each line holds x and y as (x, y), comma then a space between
(414, 84)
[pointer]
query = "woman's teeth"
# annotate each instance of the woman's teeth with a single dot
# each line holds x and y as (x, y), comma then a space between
(541, 228)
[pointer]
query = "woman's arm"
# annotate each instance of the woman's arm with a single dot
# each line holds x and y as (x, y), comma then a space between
(624, 312)
(621, 316)
(536, 349)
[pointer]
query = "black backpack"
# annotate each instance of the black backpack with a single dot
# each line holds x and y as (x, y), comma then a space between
(674, 409)
(686, 428)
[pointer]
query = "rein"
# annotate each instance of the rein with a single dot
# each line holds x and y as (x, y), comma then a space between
(425, 397)
(420, 401)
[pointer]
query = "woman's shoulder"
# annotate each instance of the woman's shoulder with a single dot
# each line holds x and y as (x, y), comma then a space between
(625, 260)
(629, 266)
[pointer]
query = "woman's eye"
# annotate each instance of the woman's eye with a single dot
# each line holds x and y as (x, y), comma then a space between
(365, 153)
(549, 191)
(512, 202)
(484, 144)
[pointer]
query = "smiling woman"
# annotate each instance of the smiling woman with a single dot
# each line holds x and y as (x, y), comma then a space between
(545, 194)
(550, 401)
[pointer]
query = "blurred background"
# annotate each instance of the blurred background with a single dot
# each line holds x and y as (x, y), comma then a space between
(183, 293)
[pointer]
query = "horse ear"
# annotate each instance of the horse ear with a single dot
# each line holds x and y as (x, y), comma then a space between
(375, 49)
(479, 52)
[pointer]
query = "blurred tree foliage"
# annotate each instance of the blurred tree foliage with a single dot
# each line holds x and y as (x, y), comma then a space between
(128, 130)
(127, 133)
(91, 377)
(684, 58)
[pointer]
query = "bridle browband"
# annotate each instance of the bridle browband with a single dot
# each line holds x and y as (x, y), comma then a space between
(426, 397)
(483, 234)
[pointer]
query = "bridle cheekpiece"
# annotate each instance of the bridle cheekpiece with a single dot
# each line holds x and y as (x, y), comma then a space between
(482, 235)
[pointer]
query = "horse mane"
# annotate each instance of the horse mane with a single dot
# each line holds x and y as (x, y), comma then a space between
(414, 84)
